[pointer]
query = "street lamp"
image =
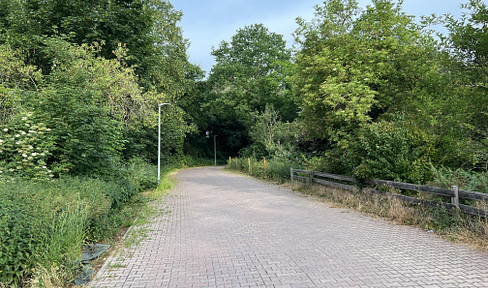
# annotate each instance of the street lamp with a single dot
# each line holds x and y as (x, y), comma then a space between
(215, 149)
(159, 139)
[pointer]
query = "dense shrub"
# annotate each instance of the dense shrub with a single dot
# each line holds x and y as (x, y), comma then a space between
(468, 180)
(143, 174)
(26, 145)
(276, 169)
(45, 223)
(391, 151)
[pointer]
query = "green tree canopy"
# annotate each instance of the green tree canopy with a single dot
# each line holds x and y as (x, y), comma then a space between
(249, 74)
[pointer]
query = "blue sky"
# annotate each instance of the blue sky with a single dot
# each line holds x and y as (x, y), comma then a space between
(206, 23)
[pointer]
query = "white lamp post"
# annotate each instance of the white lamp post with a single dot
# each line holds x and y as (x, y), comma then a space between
(159, 140)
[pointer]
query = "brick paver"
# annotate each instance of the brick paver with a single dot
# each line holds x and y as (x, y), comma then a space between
(225, 230)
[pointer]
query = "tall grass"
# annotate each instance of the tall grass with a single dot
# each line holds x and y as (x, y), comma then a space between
(44, 224)
(274, 169)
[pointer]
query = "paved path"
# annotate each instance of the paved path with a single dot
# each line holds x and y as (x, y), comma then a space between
(226, 230)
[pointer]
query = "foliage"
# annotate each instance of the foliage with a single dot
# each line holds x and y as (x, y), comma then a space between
(468, 41)
(275, 136)
(249, 74)
(148, 29)
(25, 148)
(355, 73)
(360, 69)
(143, 174)
(87, 135)
(79, 88)
(392, 150)
(44, 223)
(467, 180)
(274, 169)
(467, 46)
(14, 77)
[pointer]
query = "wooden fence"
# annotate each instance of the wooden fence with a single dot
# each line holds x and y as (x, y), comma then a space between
(351, 184)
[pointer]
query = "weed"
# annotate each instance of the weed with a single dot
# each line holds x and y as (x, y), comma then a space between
(112, 267)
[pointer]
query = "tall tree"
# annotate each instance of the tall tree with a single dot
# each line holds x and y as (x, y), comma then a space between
(250, 73)
(356, 68)
(147, 29)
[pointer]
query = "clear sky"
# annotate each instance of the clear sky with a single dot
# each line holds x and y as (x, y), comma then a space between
(206, 23)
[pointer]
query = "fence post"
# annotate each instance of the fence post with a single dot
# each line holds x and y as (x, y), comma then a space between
(230, 161)
(264, 164)
(455, 199)
(291, 173)
(311, 175)
(249, 164)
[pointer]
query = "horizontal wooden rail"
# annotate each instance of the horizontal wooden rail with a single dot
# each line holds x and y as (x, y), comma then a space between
(454, 193)
(412, 187)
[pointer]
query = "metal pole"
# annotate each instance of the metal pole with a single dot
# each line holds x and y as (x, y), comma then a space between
(215, 149)
(159, 140)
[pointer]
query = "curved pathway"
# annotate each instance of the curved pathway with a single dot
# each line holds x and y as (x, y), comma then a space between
(225, 230)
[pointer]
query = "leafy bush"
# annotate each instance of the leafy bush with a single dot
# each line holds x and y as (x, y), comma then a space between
(279, 169)
(468, 180)
(45, 223)
(26, 145)
(143, 174)
(392, 151)
(276, 169)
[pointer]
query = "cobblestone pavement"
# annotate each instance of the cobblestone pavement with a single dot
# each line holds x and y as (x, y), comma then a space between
(225, 230)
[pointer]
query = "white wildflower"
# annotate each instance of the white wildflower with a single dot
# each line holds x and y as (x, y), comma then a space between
(24, 118)
(5, 130)
(48, 129)
(34, 154)
(17, 135)
(24, 155)
(11, 169)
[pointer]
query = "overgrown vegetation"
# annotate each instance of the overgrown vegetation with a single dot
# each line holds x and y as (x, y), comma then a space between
(45, 223)
(79, 88)
(381, 95)
(370, 93)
